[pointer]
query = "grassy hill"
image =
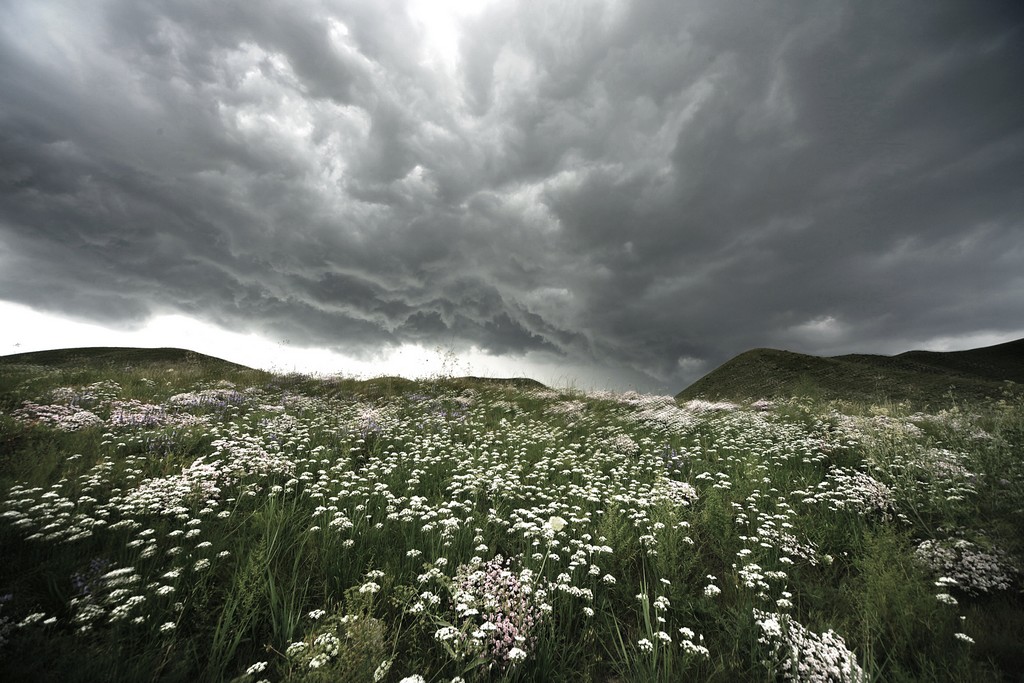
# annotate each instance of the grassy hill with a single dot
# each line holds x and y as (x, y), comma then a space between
(920, 377)
(83, 365)
(109, 356)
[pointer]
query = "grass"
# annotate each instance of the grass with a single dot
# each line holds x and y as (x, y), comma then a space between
(177, 518)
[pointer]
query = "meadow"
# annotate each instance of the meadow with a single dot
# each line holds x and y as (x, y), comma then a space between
(193, 522)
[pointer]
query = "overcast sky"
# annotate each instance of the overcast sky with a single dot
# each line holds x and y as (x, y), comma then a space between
(623, 193)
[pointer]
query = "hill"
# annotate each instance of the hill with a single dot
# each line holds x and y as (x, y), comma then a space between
(920, 377)
(91, 359)
(107, 356)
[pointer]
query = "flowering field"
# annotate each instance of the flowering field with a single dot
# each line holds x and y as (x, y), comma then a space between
(175, 523)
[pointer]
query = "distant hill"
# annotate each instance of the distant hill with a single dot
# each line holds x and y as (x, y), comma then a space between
(920, 377)
(106, 356)
(94, 358)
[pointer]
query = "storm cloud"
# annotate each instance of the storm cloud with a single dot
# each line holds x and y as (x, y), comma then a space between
(645, 186)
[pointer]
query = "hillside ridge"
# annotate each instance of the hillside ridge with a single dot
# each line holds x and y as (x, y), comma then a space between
(106, 356)
(920, 377)
(113, 355)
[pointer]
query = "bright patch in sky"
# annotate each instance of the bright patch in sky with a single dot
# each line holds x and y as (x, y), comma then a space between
(820, 330)
(441, 21)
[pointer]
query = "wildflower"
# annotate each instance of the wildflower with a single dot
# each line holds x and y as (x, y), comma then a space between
(446, 633)
(415, 678)
(516, 654)
(966, 565)
(711, 590)
(32, 618)
(645, 645)
(556, 523)
(167, 627)
(691, 648)
(316, 614)
(803, 654)
(964, 637)
(382, 670)
(256, 668)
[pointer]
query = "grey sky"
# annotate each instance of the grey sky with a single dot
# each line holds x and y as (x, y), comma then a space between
(645, 188)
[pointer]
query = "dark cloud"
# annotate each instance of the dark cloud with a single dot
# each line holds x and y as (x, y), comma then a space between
(646, 187)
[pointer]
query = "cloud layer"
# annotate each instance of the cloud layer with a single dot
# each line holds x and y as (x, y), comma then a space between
(647, 186)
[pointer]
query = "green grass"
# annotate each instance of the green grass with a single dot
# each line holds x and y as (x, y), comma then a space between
(343, 529)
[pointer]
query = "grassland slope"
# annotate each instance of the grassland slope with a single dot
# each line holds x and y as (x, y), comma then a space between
(79, 363)
(920, 377)
(106, 356)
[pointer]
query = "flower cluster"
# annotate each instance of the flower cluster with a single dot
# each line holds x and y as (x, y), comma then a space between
(623, 444)
(674, 492)
(571, 410)
(699, 406)
(198, 481)
(135, 413)
(92, 395)
(876, 430)
(209, 399)
(800, 654)
(660, 412)
(499, 608)
(66, 418)
(964, 565)
(852, 490)
(339, 648)
(371, 421)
